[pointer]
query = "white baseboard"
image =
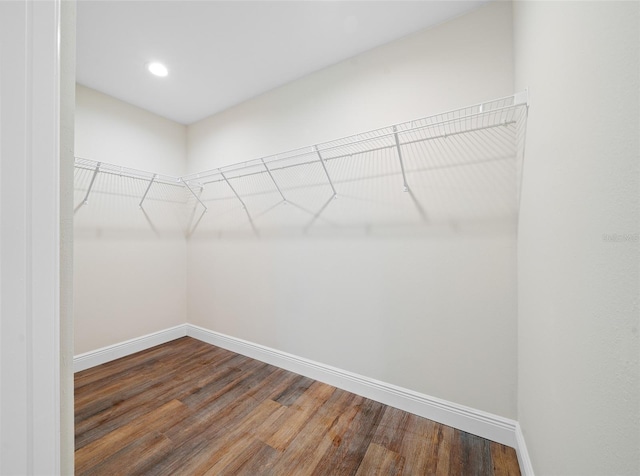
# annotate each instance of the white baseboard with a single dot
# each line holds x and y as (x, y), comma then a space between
(122, 349)
(486, 425)
(526, 468)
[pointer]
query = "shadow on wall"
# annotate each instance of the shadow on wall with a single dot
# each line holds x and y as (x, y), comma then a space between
(112, 205)
(438, 174)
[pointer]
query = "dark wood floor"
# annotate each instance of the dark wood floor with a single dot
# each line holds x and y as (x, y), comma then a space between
(189, 408)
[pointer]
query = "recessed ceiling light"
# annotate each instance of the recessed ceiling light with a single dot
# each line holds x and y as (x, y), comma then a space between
(157, 69)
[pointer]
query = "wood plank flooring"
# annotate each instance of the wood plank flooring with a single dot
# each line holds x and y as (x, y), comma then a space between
(189, 408)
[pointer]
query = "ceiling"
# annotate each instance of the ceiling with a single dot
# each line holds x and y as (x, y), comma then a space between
(221, 53)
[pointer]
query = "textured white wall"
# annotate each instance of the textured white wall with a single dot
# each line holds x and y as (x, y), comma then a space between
(128, 280)
(579, 388)
(435, 314)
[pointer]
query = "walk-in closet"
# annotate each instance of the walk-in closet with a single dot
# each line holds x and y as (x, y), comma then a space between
(320, 237)
(353, 239)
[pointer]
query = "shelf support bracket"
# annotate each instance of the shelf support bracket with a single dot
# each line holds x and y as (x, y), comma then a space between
(274, 181)
(404, 176)
(85, 200)
(193, 213)
(335, 194)
(244, 206)
(194, 194)
(147, 190)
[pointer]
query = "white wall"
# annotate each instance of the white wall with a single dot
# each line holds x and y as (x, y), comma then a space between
(113, 131)
(435, 314)
(463, 62)
(579, 388)
(129, 270)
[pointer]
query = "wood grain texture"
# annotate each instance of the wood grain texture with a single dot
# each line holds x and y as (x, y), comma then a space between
(189, 408)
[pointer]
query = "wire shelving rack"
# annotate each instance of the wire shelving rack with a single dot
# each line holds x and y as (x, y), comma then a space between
(459, 165)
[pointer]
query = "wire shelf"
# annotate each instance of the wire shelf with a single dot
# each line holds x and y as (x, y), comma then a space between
(459, 165)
